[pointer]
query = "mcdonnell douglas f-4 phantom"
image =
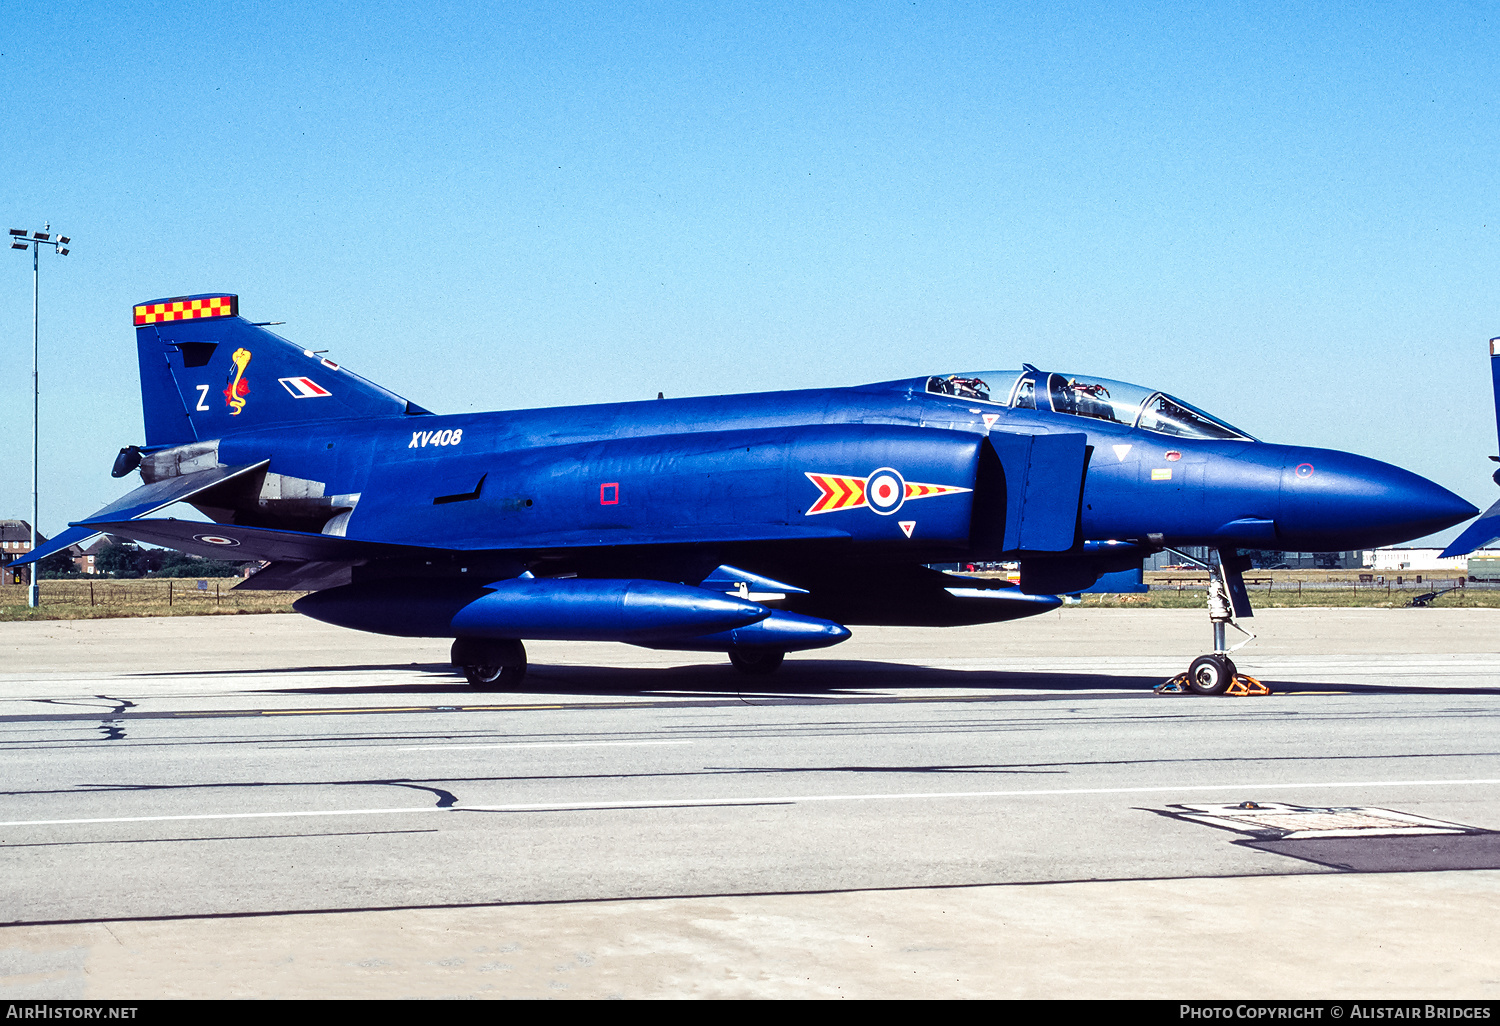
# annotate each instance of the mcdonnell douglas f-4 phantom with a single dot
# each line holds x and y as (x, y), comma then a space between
(753, 525)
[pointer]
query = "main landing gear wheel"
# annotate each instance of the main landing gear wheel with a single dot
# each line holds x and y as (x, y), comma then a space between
(494, 678)
(756, 661)
(490, 664)
(1211, 674)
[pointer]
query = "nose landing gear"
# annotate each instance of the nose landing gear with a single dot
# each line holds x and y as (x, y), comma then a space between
(1216, 674)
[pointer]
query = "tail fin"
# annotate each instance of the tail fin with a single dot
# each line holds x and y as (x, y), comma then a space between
(206, 372)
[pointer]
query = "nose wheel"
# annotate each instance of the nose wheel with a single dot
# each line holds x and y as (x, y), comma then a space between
(1211, 674)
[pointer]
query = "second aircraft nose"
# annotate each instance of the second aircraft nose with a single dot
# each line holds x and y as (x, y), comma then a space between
(1334, 500)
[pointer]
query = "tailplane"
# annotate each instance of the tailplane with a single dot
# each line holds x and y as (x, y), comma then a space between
(206, 372)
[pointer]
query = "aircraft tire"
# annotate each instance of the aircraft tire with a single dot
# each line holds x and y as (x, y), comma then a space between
(490, 665)
(757, 662)
(1210, 675)
(494, 678)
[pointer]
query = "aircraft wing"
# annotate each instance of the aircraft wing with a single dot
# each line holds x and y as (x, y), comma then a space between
(144, 501)
(233, 541)
(691, 534)
(1477, 535)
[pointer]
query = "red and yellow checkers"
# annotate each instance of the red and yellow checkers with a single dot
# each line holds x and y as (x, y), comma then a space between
(883, 491)
(187, 308)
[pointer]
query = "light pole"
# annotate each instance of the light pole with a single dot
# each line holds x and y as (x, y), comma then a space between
(19, 240)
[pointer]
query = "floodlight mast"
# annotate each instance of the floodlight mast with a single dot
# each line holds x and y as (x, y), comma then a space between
(19, 240)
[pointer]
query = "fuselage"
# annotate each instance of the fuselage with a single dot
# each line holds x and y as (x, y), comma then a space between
(470, 477)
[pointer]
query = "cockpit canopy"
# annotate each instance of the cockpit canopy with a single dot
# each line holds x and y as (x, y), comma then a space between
(1079, 395)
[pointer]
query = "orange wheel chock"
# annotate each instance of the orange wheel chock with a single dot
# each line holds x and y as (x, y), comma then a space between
(1243, 686)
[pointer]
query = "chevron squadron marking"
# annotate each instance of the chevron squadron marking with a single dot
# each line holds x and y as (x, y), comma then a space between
(840, 491)
(844, 491)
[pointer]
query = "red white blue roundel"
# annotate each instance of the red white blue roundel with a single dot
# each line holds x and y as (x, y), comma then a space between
(885, 491)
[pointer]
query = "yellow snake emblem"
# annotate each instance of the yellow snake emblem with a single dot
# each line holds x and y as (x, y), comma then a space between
(238, 387)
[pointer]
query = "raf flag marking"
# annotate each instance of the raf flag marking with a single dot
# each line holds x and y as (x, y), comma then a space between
(304, 388)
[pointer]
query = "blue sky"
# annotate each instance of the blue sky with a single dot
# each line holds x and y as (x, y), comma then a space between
(1286, 214)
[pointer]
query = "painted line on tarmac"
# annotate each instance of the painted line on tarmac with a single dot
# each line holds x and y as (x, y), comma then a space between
(839, 696)
(357, 709)
(536, 744)
(321, 712)
(668, 803)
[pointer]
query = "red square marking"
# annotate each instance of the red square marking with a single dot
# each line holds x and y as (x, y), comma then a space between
(609, 494)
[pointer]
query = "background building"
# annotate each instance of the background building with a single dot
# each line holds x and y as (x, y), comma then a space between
(84, 556)
(15, 541)
(1273, 559)
(1393, 558)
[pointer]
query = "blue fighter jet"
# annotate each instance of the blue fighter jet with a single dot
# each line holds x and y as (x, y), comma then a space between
(753, 525)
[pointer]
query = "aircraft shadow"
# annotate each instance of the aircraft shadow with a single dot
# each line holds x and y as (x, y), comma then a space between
(803, 678)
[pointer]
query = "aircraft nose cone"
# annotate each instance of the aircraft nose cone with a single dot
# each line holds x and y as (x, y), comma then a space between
(1335, 500)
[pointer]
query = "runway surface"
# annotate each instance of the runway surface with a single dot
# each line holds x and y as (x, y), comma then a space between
(264, 805)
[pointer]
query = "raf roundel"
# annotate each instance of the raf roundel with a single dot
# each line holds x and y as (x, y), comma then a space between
(885, 491)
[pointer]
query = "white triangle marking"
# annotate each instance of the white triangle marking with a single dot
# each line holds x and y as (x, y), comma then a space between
(1121, 451)
(989, 420)
(907, 525)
